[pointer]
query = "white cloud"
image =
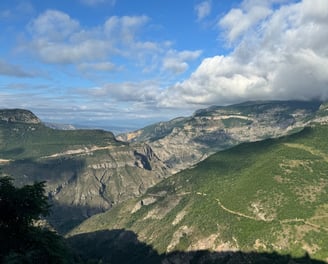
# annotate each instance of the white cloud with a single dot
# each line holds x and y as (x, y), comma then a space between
(53, 26)
(238, 21)
(315, 9)
(8, 69)
(217, 80)
(98, 2)
(177, 62)
(124, 28)
(145, 92)
(279, 51)
(71, 53)
(57, 38)
(203, 9)
(278, 54)
(100, 66)
(22, 10)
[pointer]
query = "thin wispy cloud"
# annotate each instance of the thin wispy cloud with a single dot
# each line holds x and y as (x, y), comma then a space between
(8, 69)
(98, 2)
(203, 9)
(177, 62)
(101, 66)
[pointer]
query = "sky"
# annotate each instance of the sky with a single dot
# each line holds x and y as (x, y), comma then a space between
(127, 64)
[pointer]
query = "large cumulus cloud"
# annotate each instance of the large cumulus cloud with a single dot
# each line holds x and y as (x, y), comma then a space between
(277, 53)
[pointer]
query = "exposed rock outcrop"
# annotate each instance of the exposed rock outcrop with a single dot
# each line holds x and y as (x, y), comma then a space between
(18, 116)
(86, 171)
(182, 142)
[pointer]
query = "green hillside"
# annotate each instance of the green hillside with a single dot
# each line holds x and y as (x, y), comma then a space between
(267, 196)
(87, 171)
(21, 140)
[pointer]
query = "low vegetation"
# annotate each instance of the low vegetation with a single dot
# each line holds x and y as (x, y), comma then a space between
(267, 196)
(22, 241)
(248, 204)
(21, 140)
(87, 171)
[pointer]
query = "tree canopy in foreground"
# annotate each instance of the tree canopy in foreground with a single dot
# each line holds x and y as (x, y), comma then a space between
(20, 239)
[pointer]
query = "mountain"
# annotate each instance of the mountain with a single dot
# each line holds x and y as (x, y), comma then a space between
(90, 171)
(87, 171)
(182, 142)
(266, 196)
(59, 126)
(18, 116)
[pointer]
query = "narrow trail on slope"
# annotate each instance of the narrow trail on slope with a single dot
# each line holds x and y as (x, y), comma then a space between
(235, 212)
(240, 214)
(300, 220)
(313, 151)
(285, 221)
(77, 151)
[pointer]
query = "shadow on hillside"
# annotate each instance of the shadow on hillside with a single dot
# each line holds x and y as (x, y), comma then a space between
(64, 217)
(12, 152)
(123, 247)
(61, 177)
(53, 171)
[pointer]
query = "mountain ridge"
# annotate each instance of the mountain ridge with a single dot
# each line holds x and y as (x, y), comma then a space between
(182, 142)
(265, 196)
(87, 171)
(17, 115)
(90, 171)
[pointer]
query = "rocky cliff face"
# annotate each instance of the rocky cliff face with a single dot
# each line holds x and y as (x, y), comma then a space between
(87, 182)
(18, 116)
(106, 178)
(86, 171)
(182, 142)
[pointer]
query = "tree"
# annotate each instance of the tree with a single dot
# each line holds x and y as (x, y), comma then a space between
(21, 241)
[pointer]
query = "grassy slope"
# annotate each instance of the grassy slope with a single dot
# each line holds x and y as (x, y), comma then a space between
(264, 196)
(26, 145)
(19, 140)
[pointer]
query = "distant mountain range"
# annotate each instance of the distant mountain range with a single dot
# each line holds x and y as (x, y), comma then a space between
(59, 126)
(239, 187)
(182, 142)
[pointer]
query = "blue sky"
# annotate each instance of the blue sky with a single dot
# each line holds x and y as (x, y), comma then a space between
(130, 63)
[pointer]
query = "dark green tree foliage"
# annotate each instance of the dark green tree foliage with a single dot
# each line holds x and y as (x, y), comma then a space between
(21, 241)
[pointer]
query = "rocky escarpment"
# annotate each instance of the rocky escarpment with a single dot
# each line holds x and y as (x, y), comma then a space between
(108, 177)
(86, 182)
(182, 142)
(19, 116)
(86, 171)
(82, 184)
